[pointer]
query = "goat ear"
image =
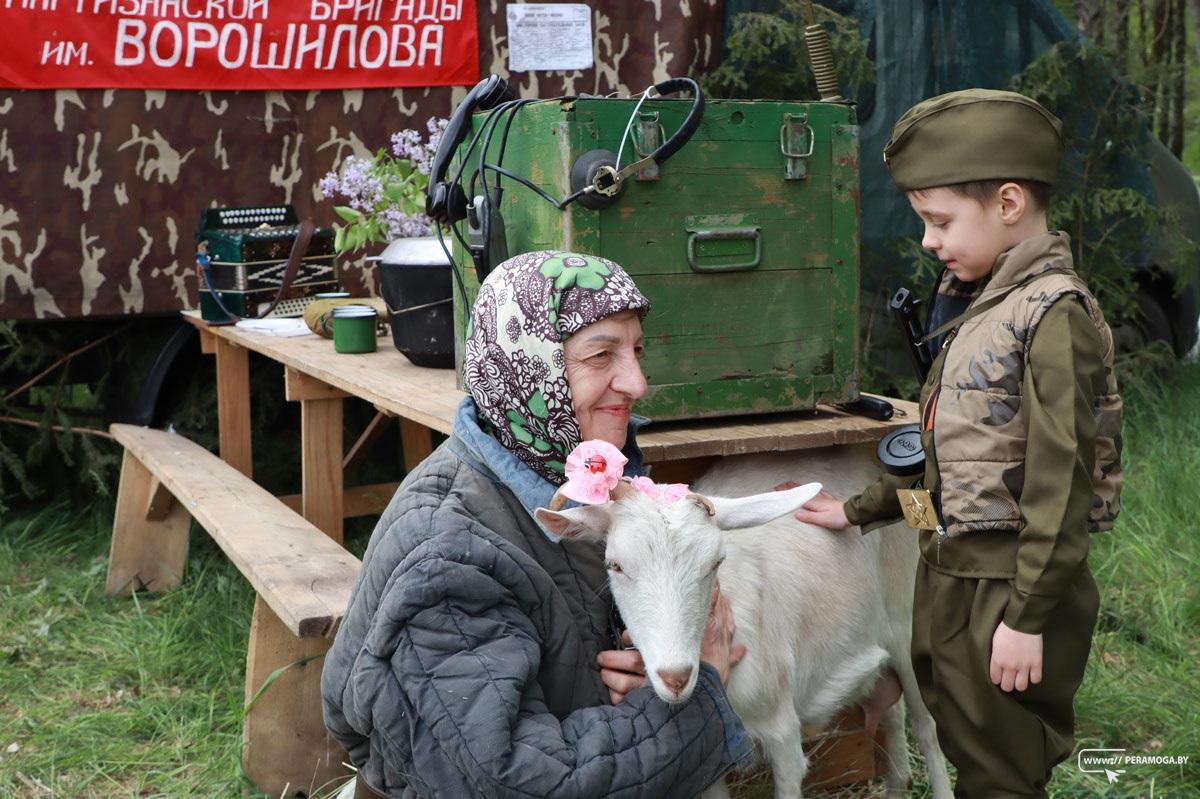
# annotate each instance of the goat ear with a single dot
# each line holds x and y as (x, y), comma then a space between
(734, 514)
(586, 523)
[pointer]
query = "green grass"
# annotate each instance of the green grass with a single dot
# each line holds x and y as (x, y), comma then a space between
(115, 697)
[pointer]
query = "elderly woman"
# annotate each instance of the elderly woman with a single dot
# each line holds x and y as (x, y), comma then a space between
(479, 655)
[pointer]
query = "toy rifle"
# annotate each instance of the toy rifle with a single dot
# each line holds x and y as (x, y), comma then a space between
(904, 308)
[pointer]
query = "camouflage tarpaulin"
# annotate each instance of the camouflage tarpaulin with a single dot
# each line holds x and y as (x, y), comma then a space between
(101, 190)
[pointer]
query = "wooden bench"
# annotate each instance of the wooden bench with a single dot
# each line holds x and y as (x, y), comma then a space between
(302, 577)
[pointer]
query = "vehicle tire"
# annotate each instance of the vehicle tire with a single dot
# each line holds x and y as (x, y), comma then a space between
(1150, 324)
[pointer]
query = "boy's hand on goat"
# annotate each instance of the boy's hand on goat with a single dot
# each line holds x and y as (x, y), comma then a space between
(1016, 658)
(621, 670)
(823, 510)
(717, 649)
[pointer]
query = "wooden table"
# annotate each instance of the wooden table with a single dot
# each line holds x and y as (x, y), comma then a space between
(426, 400)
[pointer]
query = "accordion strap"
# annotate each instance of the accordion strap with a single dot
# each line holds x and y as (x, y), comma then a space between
(299, 250)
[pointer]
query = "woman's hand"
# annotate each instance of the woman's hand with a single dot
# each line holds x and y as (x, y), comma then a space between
(622, 670)
(1016, 658)
(824, 510)
(717, 649)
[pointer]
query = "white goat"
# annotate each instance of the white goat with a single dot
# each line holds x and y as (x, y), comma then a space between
(822, 614)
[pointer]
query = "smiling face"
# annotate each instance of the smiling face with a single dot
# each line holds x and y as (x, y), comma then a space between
(967, 236)
(604, 372)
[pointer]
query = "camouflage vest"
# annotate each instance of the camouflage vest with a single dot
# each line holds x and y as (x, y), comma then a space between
(981, 423)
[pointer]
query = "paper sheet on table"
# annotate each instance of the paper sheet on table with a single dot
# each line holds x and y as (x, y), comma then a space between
(549, 37)
(287, 328)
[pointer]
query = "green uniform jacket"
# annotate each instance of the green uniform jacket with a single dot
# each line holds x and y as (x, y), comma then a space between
(1065, 363)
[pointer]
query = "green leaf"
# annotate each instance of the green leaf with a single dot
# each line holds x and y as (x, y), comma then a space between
(522, 435)
(347, 213)
(339, 239)
(355, 238)
(394, 192)
(589, 280)
(537, 405)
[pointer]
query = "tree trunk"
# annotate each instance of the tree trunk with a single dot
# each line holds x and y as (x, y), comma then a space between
(1119, 22)
(1194, 6)
(1158, 64)
(1178, 74)
(1089, 15)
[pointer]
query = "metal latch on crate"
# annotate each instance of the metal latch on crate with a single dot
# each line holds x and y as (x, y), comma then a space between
(796, 140)
(649, 138)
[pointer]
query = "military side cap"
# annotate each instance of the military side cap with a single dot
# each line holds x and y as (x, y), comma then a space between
(974, 134)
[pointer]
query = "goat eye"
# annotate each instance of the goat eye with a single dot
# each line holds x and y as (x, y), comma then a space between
(613, 566)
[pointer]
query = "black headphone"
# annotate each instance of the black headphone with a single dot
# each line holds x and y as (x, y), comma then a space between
(445, 202)
(681, 136)
(595, 181)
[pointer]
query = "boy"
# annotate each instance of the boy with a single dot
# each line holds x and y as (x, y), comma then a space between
(1020, 421)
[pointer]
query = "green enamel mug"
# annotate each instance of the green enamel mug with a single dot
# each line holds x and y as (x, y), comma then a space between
(354, 328)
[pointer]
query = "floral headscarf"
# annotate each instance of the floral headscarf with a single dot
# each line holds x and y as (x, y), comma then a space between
(514, 364)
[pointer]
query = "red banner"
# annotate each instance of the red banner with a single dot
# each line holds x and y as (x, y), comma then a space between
(237, 44)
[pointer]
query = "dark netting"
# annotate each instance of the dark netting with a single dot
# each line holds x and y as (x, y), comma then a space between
(922, 48)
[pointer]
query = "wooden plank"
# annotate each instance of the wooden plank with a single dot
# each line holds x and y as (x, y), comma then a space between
(208, 342)
(158, 507)
(823, 427)
(304, 576)
(321, 464)
(369, 438)
(368, 500)
(233, 404)
(681, 471)
(285, 747)
(842, 753)
(146, 553)
(417, 442)
(840, 759)
(384, 378)
(298, 386)
(429, 397)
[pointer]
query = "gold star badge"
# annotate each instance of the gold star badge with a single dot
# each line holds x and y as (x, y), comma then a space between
(917, 506)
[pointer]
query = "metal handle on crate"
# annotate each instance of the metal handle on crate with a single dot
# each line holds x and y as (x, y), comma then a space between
(724, 234)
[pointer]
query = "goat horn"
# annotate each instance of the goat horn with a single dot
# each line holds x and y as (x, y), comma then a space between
(621, 490)
(703, 502)
(558, 500)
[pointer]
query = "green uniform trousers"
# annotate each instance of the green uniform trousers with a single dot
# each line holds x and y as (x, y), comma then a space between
(1003, 744)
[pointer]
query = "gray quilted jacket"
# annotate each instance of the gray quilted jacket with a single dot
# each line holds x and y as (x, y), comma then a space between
(466, 662)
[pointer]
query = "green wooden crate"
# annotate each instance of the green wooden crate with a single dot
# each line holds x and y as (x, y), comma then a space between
(753, 276)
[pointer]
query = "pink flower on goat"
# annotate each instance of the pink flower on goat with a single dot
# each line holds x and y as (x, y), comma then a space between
(675, 491)
(645, 485)
(593, 469)
(663, 492)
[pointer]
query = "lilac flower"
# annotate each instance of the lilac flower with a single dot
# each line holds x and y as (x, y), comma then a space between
(370, 186)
